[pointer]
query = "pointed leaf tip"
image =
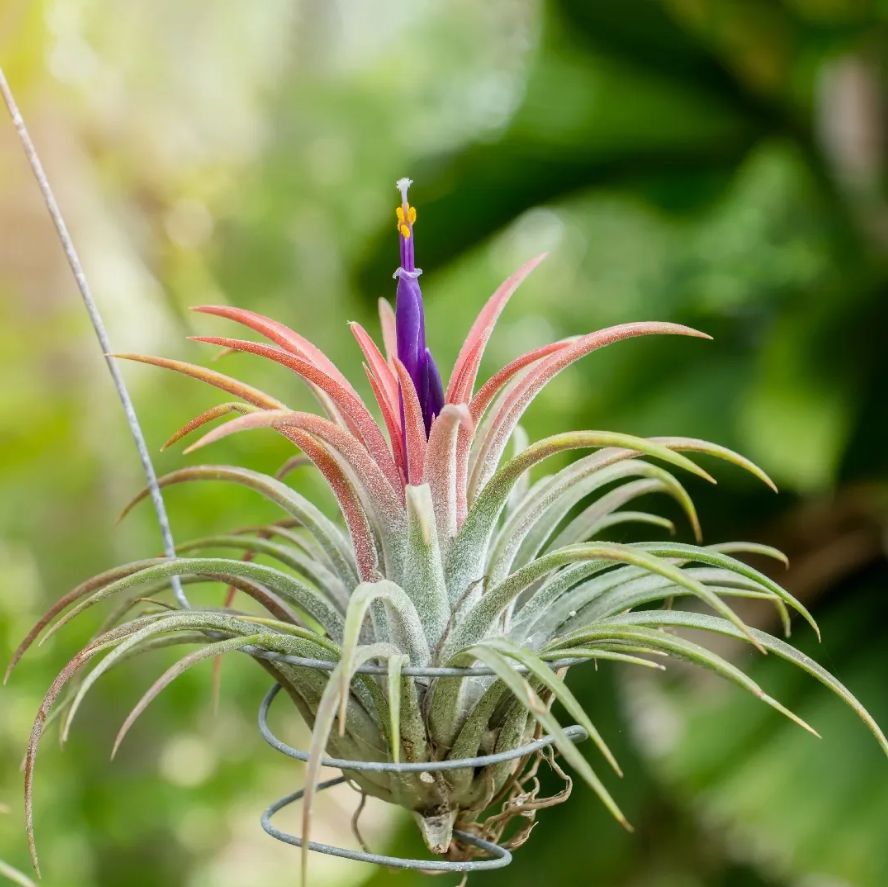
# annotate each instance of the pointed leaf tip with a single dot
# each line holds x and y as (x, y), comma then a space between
(801, 722)
(695, 333)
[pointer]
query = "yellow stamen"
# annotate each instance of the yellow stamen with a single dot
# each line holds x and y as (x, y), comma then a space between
(399, 212)
(405, 232)
(411, 214)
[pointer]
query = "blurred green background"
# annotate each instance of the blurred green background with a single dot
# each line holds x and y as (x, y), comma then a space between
(714, 162)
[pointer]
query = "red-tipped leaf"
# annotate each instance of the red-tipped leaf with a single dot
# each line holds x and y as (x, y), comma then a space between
(465, 370)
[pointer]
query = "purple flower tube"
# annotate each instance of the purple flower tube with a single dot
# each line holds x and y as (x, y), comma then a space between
(410, 317)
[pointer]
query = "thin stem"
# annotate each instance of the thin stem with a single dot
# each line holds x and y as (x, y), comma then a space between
(98, 325)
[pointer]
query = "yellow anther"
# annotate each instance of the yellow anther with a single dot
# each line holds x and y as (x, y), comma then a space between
(405, 232)
(399, 212)
(411, 214)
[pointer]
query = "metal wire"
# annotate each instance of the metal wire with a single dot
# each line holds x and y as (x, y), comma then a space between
(499, 856)
(575, 733)
(98, 326)
(409, 671)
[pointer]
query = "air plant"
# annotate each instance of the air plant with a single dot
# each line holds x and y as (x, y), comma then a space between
(445, 553)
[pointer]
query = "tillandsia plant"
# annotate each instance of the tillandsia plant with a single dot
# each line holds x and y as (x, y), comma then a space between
(446, 555)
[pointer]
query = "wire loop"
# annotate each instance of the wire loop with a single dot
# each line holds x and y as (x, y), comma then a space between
(498, 857)
(409, 671)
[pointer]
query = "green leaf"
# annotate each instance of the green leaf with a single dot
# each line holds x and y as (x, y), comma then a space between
(704, 622)
(14, 875)
(323, 727)
(404, 619)
(207, 652)
(527, 697)
(482, 616)
(289, 556)
(423, 573)
(282, 643)
(393, 685)
(559, 689)
(330, 537)
(525, 533)
(288, 587)
(466, 554)
(695, 445)
(684, 649)
(719, 559)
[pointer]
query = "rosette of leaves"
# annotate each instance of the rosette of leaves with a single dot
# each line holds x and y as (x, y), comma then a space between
(445, 554)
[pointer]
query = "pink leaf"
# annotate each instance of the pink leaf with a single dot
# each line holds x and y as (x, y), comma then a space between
(414, 427)
(206, 416)
(479, 404)
(282, 335)
(304, 429)
(291, 342)
(441, 464)
(291, 465)
(363, 542)
(457, 384)
(499, 380)
(392, 420)
(387, 501)
(465, 370)
(347, 401)
(516, 401)
(389, 329)
(211, 377)
(378, 365)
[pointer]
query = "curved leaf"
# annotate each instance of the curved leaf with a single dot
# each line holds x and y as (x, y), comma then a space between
(211, 377)
(515, 402)
(478, 621)
(465, 368)
(287, 587)
(468, 550)
(705, 622)
(330, 538)
(527, 697)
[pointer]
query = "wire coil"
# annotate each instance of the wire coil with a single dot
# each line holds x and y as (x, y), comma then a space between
(498, 857)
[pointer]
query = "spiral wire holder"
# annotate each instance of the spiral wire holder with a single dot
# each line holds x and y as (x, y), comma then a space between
(498, 857)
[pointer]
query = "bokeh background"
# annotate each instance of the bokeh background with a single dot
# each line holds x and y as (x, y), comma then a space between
(714, 162)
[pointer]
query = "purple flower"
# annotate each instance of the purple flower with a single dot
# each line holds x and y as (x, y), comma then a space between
(410, 317)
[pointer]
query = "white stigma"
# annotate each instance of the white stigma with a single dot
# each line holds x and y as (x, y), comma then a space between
(403, 185)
